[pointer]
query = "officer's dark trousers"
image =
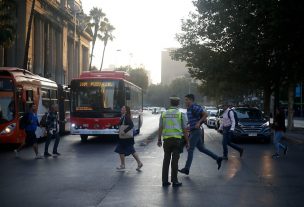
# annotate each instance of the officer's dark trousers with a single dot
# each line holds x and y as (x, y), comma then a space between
(171, 149)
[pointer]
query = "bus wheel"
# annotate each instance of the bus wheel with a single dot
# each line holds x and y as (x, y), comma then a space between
(84, 138)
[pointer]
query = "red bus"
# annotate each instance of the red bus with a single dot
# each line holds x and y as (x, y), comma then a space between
(18, 89)
(96, 100)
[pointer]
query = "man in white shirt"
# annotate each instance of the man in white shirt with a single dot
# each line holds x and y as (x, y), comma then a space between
(227, 127)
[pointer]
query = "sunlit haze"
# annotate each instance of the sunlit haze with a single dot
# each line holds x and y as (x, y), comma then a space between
(143, 30)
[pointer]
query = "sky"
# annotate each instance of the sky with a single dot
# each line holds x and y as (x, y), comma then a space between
(142, 30)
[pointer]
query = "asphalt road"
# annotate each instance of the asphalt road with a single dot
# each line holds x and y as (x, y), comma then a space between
(85, 175)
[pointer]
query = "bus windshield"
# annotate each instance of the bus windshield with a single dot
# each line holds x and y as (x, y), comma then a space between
(7, 105)
(95, 96)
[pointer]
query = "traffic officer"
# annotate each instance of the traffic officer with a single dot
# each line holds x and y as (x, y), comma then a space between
(172, 127)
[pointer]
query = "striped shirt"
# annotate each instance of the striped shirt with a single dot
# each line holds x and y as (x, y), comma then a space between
(194, 114)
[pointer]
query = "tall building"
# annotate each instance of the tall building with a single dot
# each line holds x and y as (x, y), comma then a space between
(60, 41)
(171, 69)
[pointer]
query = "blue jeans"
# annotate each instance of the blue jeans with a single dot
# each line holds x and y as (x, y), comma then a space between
(276, 141)
(196, 141)
(48, 141)
(227, 134)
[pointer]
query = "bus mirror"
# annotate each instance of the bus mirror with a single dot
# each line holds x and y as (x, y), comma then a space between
(128, 93)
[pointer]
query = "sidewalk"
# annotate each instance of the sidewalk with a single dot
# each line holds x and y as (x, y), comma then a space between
(296, 135)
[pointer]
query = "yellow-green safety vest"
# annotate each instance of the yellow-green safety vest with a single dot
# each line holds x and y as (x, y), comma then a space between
(172, 124)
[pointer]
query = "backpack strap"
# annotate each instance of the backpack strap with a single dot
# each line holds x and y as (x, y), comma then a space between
(229, 114)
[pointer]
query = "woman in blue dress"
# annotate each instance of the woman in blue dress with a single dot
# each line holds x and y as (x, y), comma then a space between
(125, 146)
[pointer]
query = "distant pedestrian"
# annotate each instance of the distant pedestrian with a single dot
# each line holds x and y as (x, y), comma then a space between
(196, 116)
(52, 129)
(31, 124)
(125, 146)
(173, 128)
(279, 129)
(227, 127)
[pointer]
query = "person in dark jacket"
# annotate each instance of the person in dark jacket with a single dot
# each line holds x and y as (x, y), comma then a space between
(279, 129)
(52, 130)
(30, 129)
(125, 146)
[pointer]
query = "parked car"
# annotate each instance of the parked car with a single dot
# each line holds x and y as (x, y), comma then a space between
(211, 119)
(162, 109)
(251, 123)
(218, 118)
(156, 110)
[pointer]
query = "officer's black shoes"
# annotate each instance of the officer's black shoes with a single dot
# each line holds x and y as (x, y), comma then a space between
(219, 162)
(176, 184)
(165, 184)
(225, 158)
(184, 171)
(241, 152)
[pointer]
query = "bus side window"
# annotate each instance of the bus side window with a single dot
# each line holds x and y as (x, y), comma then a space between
(20, 102)
(128, 93)
(29, 96)
(53, 96)
(45, 98)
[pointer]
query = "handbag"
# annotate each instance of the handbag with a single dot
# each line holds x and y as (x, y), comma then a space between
(122, 134)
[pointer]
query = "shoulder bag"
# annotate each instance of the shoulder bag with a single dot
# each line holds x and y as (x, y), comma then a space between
(122, 134)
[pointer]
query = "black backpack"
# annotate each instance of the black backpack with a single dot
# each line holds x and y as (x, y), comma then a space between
(236, 119)
(24, 121)
(42, 122)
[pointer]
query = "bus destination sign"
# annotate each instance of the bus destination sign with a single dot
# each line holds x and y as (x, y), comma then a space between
(95, 84)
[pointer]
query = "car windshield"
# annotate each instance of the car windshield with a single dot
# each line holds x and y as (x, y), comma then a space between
(246, 113)
(212, 112)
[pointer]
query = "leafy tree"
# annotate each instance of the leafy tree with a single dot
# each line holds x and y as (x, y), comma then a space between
(138, 76)
(239, 47)
(106, 29)
(96, 16)
(7, 22)
(7, 25)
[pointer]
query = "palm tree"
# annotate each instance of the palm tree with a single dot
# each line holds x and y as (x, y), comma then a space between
(106, 28)
(96, 16)
(7, 25)
(28, 36)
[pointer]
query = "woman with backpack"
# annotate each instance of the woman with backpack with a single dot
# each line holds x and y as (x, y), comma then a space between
(125, 146)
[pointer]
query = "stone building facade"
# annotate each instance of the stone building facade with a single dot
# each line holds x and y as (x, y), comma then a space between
(59, 43)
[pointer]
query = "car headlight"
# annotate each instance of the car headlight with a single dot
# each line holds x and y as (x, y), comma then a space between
(73, 125)
(10, 128)
(266, 124)
(135, 116)
(240, 125)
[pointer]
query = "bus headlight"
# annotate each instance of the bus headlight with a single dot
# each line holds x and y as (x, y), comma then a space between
(10, 128)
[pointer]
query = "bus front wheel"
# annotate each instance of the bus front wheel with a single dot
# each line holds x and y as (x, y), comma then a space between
(84, 138)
